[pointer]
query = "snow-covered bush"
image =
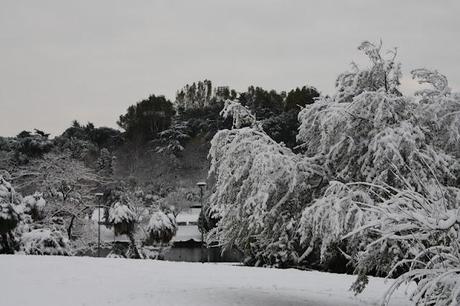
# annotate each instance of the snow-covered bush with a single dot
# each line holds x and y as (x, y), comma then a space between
(260, 190)
(34, 205)
(161, 228)
(45, 242)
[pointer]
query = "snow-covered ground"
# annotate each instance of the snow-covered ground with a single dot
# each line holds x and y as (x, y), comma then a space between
(48, 280)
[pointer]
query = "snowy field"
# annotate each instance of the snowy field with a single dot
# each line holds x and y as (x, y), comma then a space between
(48, 280)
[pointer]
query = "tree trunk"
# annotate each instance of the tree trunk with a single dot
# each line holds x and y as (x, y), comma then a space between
(134, 251)
(69, 229)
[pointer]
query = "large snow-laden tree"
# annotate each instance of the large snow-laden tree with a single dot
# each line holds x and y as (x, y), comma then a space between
(407, 146)
(378, 137)
(260, 189)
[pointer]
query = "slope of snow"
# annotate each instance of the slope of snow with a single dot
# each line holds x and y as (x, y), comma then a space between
(48, 280)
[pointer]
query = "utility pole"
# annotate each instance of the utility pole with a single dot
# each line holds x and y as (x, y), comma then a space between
(202, 185)
(98, 199)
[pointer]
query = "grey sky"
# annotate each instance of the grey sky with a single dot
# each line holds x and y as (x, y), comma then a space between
(89, 60)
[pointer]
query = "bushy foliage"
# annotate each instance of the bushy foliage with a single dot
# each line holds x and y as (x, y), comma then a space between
(25, 146)
(283, 128)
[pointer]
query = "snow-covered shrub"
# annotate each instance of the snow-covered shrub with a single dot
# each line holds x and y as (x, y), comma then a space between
(45, 242)
(34, 205)
(161, 228)
(260, 190)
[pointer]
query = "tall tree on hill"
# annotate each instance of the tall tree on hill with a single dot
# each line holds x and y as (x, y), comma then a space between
(144, 120)
(262, 103)
(300, 97)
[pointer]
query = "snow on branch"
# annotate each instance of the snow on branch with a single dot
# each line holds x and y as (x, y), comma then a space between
(241, 115)
(433, 78)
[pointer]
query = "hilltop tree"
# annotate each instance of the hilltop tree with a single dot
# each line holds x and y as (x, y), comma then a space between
(263, 104)
(144, 120)
(299, 97)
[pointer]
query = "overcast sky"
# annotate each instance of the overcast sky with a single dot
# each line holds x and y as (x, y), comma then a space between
(89, 60)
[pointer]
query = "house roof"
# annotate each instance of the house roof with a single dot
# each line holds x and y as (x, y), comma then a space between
(186, 233)
(190, 215)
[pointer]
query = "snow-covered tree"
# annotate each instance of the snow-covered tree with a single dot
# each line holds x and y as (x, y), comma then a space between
(161, 227)
(376, 136)
(260, 188)
(123, 219)
(241, 115)
(384, 73)
(67, 185)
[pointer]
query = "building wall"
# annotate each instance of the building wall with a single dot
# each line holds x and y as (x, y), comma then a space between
(190, 251)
